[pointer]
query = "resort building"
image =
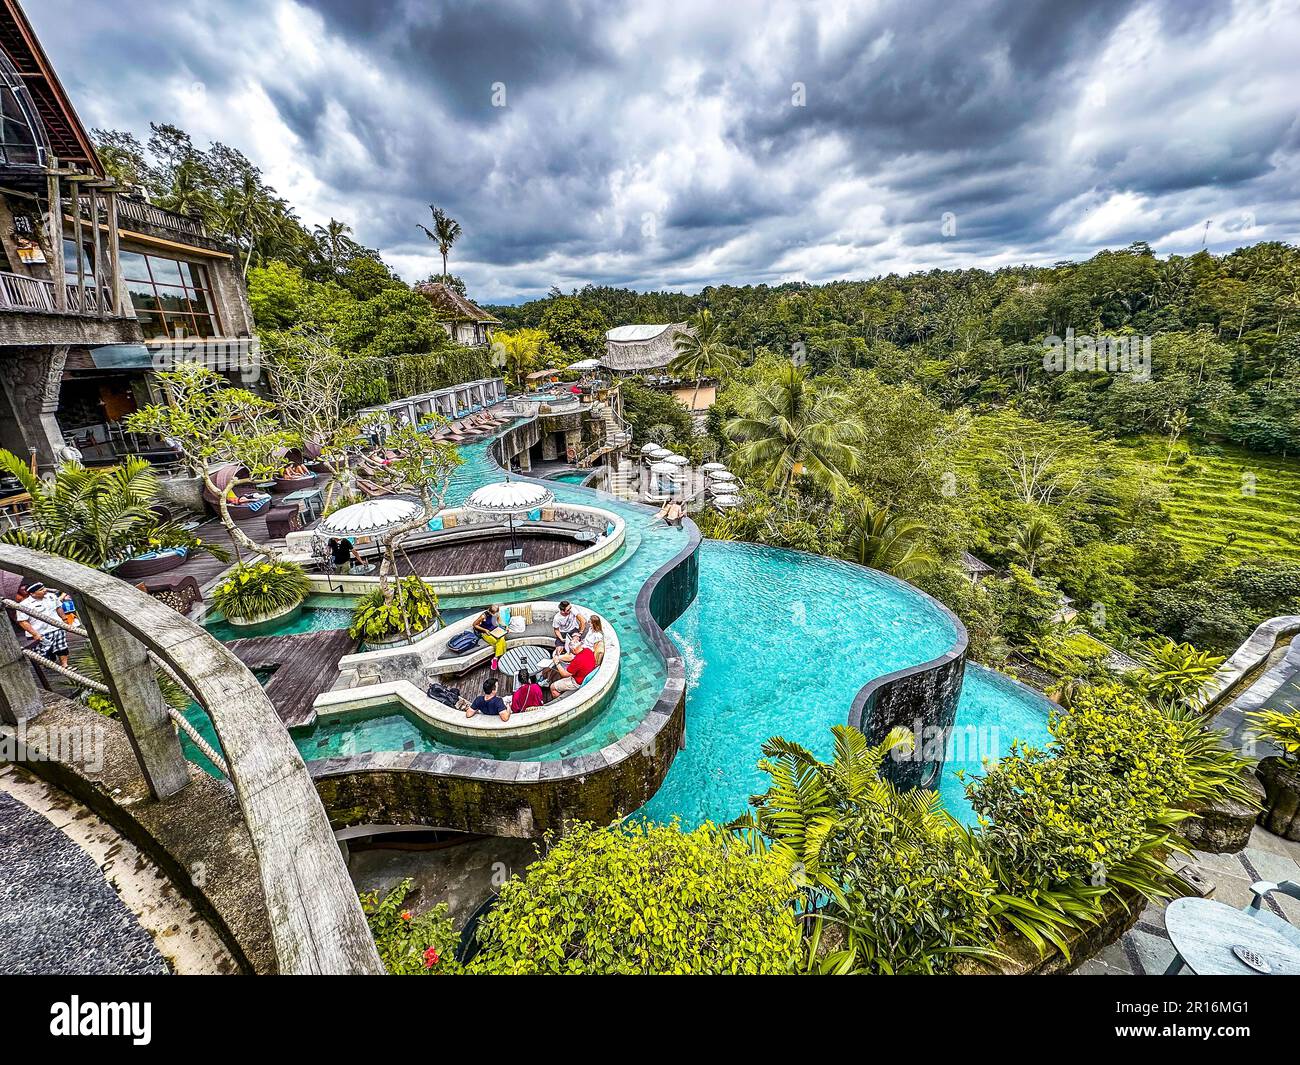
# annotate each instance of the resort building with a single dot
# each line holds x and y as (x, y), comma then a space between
(646, 350)
(97, 286)
(465, 321)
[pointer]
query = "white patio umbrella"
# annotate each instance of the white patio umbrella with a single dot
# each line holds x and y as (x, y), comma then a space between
(658, 454)
(677, 460)
(721, 476)
(585, 364)
(509, 498)
(647, 448)
(370, 517)
(726, 501)
(711, 467)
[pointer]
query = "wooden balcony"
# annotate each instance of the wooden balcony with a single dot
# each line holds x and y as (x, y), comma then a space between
(34, 294)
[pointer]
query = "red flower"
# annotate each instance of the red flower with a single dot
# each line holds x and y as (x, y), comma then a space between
(406, 915)
(431, 958)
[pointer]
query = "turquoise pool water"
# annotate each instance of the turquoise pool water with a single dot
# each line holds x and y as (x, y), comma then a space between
(788, 640)
(778, 668)
(572, 478)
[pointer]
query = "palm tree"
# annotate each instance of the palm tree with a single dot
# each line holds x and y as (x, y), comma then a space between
(791, 427)
(335, 243)
(1032, 541)
(98, 517)
(445, 232)
(701, 353)
(247, 212)
(887, 542)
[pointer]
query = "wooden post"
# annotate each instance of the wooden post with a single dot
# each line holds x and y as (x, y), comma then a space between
(114, 256)
(20, 698)
(81, 250)
(97, 263)
(57, 271)
(133, 684)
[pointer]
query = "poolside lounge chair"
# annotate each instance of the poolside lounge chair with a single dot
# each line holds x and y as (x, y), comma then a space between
(371, 489)
(294, 484)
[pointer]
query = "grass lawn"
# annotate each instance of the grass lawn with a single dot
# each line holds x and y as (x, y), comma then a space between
(1213, 496)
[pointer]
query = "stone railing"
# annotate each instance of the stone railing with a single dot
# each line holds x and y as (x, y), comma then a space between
(314, 918)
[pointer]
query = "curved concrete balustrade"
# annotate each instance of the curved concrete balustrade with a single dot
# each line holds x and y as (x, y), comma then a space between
(568, 520)
(530, 798)
(1248, 657)
(315, 921)
(400, 674)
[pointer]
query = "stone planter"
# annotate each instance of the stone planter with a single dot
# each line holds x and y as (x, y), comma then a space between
(1224, 827)
(400, 640)
(1281, 780)
(262, 619)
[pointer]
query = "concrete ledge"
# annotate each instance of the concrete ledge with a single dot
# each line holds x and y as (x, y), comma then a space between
(1248, 657)
(197, 837)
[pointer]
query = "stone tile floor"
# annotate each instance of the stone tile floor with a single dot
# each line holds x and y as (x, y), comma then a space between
(1145, 949)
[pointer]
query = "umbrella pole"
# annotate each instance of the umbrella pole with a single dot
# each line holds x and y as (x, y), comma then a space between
(513, 545)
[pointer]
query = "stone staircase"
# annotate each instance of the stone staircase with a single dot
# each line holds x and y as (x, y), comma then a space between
(616, 435)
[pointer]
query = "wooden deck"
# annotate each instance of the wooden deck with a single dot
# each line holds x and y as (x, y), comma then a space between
(487, 556)
(305, 664)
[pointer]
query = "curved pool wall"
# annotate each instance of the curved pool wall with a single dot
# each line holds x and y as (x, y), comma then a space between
(529, 796)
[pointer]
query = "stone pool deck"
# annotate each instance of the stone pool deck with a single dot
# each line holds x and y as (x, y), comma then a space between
(1145, 949)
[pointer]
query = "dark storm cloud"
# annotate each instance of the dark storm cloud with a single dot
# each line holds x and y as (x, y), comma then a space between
(659, 142)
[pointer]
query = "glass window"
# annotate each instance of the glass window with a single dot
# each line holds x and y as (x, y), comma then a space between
(171, 295)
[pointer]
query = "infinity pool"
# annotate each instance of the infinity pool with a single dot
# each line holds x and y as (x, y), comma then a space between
(788, 639)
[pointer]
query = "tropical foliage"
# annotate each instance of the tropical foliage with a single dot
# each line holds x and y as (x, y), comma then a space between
(99, 517)
(258, 589)
(409, 609)
(1281, 727)
(411, 944)
(643, 898)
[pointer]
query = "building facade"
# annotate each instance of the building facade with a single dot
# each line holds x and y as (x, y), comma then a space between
(98, 287)
(464, 320)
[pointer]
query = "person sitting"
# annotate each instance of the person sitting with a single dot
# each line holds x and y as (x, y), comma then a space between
(247, 497)
(567, 623)
(595, 638)
(297, 471)
(489, 702)
(492, 632)
(672, 512)
(527, 695)
(570, 674)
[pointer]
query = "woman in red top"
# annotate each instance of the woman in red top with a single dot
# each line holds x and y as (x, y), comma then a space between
(527, 695)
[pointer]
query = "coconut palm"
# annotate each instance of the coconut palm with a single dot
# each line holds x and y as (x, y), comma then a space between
(790, 427)
(246, 213)
(886, 542)
(98, 517)
(335, 243)
(445, 232)
(1033, 540)
(701, 353)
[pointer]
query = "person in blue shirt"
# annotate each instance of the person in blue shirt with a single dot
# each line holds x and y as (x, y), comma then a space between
(489, 702)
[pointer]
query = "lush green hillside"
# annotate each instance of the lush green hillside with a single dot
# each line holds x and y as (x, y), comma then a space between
(1218, 492)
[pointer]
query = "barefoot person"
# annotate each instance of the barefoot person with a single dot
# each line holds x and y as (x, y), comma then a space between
(672, 513)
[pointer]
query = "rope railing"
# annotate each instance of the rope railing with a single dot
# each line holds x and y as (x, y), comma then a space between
(177, 717)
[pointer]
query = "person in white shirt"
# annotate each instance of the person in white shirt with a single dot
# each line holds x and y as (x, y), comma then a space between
(53, 642)
(568, 625)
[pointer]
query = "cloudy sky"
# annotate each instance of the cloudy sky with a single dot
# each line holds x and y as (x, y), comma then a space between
(678, 143)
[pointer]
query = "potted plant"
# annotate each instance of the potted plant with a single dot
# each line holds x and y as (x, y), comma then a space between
(256, 592)
(410, 610)
(1280, 774)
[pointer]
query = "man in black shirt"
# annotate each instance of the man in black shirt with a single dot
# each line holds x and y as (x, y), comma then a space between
(489, 702)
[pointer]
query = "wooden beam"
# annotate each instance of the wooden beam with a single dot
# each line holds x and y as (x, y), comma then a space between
(77, 238)
(97, 264)
(114, 256)
(57, 270)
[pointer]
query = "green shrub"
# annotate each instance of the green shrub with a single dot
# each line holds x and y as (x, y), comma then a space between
(413, 608)
(643, 898)
(255, 589)
(411, 945)
(1281, 727)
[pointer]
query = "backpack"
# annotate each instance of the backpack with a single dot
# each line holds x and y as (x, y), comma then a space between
(462, 642)
(443, 694)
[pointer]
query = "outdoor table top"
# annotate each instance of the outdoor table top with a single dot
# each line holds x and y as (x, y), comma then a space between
(1204, 932)
(302, 494)
(527, 655)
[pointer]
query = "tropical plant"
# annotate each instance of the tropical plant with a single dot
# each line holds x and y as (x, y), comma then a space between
(891, 883)
(411, 944)
(98, 517)
(643, 898)
(791, 427)
(258, 589)
(85, 663)
(1032, 541)
(1281, 727)
(702, 353)
(445, 232)
(335, 243)
(520, 352)
(409, 610)
(1174, 672)
(892, 543)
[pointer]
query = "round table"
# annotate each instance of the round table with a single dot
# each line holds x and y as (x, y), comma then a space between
(516, 658)
(1204, 932)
